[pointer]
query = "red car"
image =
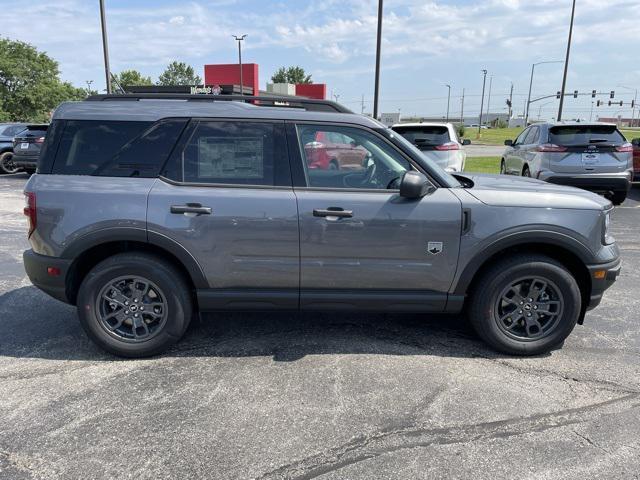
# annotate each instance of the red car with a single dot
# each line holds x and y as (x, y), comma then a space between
(334, 151)
(636, 159)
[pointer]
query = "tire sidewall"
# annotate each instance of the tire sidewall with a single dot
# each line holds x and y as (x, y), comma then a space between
(3, 157)
(179, 308)
(491, 332)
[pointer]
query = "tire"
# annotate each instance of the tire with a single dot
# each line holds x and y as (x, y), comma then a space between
(6, 165)
(157, 328)
(526, 172)
(618, 198)
(503, 169)
(500, 323)
(333, 165)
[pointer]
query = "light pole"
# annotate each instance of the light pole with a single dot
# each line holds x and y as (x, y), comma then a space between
(635, 99)
(462, 108)
(448, 99)
(489, 100)
(88, 82)
(533, 67)
(239, 39)
(591, 113)
(376, 90)
(566, 62)
(484, 81)
(540, 109)
(105, 47)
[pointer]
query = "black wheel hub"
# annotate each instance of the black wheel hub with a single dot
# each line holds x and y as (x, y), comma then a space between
(132, 309)
(529, 308)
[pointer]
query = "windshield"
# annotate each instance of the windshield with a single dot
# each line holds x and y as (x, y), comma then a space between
(10, 130)
(424, 135)
(429, 165)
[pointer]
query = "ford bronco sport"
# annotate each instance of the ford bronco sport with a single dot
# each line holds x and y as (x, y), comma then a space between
(146, 209)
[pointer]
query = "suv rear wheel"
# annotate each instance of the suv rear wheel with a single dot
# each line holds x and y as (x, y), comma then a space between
(618, 198)
(525, 305)
(6, 163)
(134, 305)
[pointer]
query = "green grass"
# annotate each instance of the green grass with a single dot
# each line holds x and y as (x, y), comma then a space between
(630, 134)
(482, 165)
(492, 136)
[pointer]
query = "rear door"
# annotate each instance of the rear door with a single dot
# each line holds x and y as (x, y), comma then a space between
(361, 244)
(513, 159)
(226, 197)
(588, 149)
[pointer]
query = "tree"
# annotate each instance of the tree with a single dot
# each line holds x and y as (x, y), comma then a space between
(179, 73)
(295, 75)
(130, 78)
(30, 87)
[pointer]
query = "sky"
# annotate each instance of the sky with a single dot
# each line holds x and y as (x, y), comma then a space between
(426, 45)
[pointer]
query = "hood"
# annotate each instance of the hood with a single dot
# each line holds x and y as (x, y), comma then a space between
(510, 191)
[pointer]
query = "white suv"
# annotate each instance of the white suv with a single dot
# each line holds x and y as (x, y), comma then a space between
(437, 141)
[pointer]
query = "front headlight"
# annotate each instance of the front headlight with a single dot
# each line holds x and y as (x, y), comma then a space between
(607, 238)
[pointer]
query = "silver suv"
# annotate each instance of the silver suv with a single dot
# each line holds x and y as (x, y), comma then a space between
(146, 210)
(594, 156)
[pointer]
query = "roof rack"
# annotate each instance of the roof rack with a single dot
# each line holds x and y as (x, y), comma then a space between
(262, 101)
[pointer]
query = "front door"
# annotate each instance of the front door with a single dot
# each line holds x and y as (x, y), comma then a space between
(227, 199)
(362, 245)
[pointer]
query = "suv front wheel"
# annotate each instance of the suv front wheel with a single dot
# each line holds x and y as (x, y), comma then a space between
(525, 304)
(134, 305)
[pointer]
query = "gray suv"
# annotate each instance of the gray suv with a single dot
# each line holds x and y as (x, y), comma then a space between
(594, 156)
(146, 210)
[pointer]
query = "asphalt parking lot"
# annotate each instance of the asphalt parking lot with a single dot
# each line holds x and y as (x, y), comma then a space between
(315, 396)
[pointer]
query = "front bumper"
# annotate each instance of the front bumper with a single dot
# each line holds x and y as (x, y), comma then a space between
(36, 266)
(602, 277)
(596, 182)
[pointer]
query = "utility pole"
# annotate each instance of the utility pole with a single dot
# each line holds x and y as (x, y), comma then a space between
(362, 108)
(591, 114)
(448, 100)
(489, 100)
(635, 100)
(105, 47)
(511, 101)
(462, 108)
(378, 47)
(484, 81)
(566, 62)
(239, 39)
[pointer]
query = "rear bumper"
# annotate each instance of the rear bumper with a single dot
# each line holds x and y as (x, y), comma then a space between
(36, 266)
(597, 182)
(24, 161)
(599, 285)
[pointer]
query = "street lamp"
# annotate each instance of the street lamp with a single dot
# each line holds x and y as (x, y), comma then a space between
(448, 99)
(533, 67)
(105, 47)
(378, 47)
(239, 39)
(635, 99)
(566, 61)
(489, 100)
(484, 81)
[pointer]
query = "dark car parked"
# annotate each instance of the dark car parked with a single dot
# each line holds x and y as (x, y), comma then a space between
(27, 145)
(7, 132)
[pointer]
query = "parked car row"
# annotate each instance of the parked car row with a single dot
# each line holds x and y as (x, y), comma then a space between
(20, 145)
(593, 156)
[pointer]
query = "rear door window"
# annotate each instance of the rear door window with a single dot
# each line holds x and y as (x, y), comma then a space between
(116, 149)
(425, 136)
(532, 137)
(569, 135)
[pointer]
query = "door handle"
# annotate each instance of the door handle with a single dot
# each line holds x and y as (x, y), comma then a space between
(196, 208)
(333, 212)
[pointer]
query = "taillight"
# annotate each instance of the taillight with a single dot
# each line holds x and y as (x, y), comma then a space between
(30, 210)
(39, 140)
(550, 147)
(625, 147)
(448, 146)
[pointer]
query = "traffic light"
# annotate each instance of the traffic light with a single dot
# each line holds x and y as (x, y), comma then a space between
(620, 102)
(593, 94)
(598, 102)
(612, 94)
(633, 104)
(609, 102)
(508, 103)
(575, 94)
(558, 95)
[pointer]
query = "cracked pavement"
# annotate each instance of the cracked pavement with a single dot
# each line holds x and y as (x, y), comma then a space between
(328, 396)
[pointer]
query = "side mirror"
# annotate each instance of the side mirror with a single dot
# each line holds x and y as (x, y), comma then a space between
(466, 141)
(508, 143)
(414, 185)
(636, 142)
